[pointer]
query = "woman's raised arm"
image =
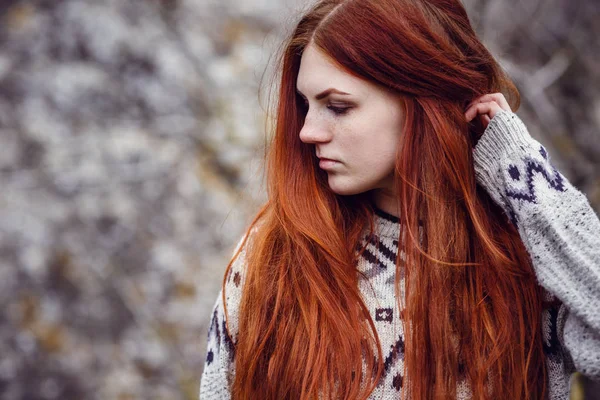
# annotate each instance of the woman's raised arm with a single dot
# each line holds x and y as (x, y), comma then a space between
(556, 224)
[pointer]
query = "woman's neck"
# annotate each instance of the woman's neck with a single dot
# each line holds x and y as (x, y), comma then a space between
(386, 201)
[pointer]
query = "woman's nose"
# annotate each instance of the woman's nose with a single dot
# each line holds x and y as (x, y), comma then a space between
(313, 132)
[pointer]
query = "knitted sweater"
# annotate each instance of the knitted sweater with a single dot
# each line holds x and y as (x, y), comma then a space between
(557, 226)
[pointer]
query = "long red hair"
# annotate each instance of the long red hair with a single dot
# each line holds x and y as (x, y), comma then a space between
(304, 330)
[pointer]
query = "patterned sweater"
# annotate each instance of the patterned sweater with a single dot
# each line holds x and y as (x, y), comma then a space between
(555, 222)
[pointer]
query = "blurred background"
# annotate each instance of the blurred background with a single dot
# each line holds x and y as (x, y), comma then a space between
(131, 142)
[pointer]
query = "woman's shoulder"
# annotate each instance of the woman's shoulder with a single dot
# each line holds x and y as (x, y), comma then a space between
(234, 282)
(237, 272)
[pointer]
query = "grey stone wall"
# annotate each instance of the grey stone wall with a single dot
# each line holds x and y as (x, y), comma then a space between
(131, 137)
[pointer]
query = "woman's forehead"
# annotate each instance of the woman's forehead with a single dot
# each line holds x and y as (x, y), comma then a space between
(318, 73)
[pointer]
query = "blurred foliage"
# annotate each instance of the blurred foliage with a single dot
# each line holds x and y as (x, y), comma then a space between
(131, 143)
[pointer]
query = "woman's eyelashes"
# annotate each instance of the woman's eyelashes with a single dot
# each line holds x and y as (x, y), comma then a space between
(338, 110)
(334, 109)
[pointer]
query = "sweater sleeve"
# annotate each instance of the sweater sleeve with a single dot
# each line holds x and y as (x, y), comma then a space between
(215, 380)
(556, 224)
(219, 367)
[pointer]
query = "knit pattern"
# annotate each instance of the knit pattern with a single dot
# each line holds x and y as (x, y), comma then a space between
(557, 225)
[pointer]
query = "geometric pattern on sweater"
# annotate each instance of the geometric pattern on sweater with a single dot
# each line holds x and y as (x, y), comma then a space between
(554, 179)
(558, 227)
(390, 330)
(532, 166)
(377, 263)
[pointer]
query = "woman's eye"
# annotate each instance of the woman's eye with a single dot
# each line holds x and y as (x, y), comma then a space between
(338, 110)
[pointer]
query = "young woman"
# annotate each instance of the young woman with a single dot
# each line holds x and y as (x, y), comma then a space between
(417, 241)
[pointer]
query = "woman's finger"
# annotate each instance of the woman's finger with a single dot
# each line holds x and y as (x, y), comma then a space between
(497, 97)
(490, 108)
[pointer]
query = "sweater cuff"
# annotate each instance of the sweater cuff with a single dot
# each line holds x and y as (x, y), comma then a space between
(505, 138)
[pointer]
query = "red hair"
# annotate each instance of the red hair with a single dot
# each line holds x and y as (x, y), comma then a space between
(304, 330)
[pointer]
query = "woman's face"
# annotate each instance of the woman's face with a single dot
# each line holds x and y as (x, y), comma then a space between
(359, 129)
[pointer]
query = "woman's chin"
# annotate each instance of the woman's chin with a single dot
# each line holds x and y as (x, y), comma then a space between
(345, 189)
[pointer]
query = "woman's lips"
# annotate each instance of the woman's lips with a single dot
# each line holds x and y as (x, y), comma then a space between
(326, 163)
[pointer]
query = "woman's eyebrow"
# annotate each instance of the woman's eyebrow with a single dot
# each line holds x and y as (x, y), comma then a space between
(324, 93)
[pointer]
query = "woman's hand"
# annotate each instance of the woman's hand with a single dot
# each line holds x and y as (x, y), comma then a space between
(486, 107)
